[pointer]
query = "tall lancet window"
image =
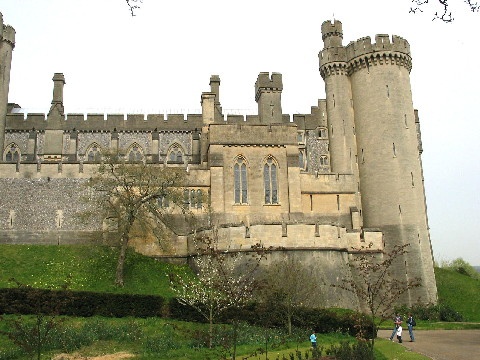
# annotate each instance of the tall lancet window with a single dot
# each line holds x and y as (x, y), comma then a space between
(270, 181)
(240, 181)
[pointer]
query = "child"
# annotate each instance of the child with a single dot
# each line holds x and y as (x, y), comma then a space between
(313, 340)
(399, 333)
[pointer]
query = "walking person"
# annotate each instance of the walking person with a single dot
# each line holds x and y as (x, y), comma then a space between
(411, 323)
(397, 322)
(313, 340)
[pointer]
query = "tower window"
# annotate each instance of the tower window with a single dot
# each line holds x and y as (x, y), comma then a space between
(240, 181)
(270, 182)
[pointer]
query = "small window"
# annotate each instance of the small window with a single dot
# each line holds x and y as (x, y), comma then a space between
(300, 137)
(323, 160)
(322, 133)
(163, 201)
(175, 155)
(13, 154)
(135, 154)
(199, 198)
(186, 199)
(93, 153)
(302, 159)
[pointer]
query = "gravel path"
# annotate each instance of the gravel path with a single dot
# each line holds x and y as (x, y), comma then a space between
(442, 344)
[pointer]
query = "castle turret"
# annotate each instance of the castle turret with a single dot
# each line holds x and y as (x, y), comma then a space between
(389, 163)
(334, 71)
(7, 43)
(268, 95)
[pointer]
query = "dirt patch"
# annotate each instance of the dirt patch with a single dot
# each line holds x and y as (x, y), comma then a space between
(116, 356)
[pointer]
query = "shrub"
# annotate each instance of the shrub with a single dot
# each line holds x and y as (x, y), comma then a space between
(431, 312)
(462, 267)
(359, 350)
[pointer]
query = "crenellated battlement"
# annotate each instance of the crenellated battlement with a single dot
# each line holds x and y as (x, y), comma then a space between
(104, 122)
(265, 81)
(339, 60)
(364, 46)
(330, 28)
(332, 55)
(8, 34)
(121, 122)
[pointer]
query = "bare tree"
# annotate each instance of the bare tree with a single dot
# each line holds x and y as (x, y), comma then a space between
(133, 5)
(224, 279)
(133, 195)
(289, 285)
(444, 14)
(374, 285)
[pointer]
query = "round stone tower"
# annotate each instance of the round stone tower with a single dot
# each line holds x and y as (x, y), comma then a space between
(7, 43)
(334, 71)
(389, 164)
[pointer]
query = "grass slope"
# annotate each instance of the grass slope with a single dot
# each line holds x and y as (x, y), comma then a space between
(460, 292)
(87, 268)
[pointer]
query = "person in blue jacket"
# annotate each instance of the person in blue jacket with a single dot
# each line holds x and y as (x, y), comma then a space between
(313, 340)
(411, 323)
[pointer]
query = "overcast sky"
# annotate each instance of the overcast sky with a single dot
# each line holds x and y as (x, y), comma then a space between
(161, 61)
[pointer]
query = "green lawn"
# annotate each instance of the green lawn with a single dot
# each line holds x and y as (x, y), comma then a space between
(155, 338)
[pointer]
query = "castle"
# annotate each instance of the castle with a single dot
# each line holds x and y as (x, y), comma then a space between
(318, 185)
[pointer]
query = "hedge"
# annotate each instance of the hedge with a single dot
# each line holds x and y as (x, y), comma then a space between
(78, 303)
(27, 300)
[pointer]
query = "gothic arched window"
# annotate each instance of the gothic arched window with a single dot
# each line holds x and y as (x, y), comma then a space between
(175, 154)
(270, 180)
(135, 153)
(12, 154)
(240, 181)
(93, 153)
